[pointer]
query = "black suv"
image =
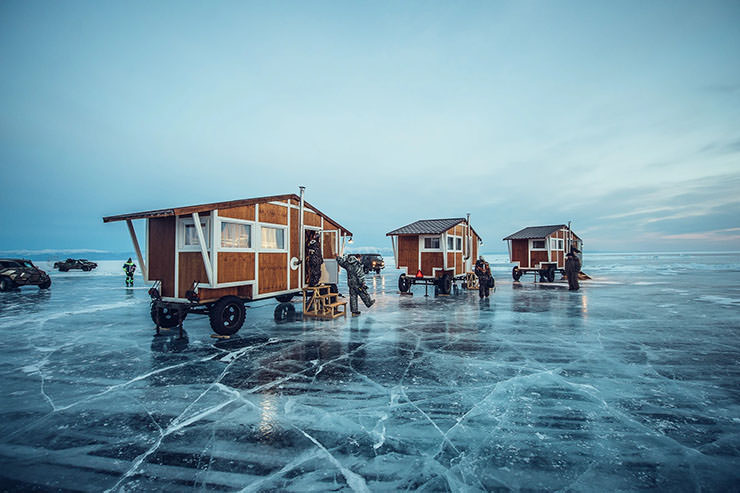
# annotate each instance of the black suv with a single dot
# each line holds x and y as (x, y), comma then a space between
(71, 263)
(372, 261)
(15, 272)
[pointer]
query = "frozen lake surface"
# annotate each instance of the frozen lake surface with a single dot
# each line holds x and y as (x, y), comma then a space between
(633, 383)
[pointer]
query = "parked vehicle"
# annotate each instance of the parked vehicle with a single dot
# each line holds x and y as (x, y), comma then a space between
(16, 272)
(372, 261)
(211, 259)
(71, 263)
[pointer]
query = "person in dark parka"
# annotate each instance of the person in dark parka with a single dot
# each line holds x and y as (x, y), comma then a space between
(314, 259)
(355, 282)
(483, 271)
(572, 268)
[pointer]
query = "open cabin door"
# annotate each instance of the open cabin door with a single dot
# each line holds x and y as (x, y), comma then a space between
(330, 249)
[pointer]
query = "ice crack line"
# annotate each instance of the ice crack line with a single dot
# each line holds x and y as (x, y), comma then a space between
(354, 480)
(179, 423)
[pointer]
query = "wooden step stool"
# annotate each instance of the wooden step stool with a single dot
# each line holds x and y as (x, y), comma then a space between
(319, 302)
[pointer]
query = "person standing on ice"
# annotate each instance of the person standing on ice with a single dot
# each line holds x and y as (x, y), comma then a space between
(314, 259)
(355, 282)
(129, 268)
(483, 271)
(572, 268)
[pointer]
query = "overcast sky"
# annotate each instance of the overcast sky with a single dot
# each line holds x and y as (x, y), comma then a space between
(623, 117)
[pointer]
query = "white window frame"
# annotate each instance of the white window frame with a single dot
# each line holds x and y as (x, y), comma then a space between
(183, 223)
(544, 245)
(273, 226)
(557, 244)
(423, 247)
(251, 224)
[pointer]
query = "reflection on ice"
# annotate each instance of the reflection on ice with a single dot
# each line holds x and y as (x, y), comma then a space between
(627, 384)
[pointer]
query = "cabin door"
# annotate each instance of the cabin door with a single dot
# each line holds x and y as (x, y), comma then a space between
(330, 248)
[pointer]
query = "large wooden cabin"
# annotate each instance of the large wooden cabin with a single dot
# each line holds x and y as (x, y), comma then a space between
(248, 248)
(541, 249)
(431, 249)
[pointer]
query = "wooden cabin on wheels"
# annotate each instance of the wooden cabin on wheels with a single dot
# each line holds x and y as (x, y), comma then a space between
(541, 250)
(435, 252)
(212, 258)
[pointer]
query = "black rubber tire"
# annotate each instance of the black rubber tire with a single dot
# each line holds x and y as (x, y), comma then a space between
(550, 274)
(167, 318)
(403, 283)
(377, 271)
(516, 273)
(6, 284)
(63, 269)
(45, 285)
(86, 268)
(445, 284)
(285, 298)
(285, 312)
(227, 315)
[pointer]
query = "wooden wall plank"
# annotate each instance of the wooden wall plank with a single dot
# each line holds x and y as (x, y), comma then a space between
(460, 266)
(538, 256)
(273, 275)
(520, 252)
(431, 260)
(245, 212)
(161, 250)
(271, 213)
(235, 266)
(408, 253)
(190, 269)
(311, 219)
(214, 294)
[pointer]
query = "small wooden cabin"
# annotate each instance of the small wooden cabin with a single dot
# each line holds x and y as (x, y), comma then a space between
(430, 249)
(246, 248)
(541, 248)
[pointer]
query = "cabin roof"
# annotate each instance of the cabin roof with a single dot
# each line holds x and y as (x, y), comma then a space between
(535, 232)
(186, 210)
(429, 227)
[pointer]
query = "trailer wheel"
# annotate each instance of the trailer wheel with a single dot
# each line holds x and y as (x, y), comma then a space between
(403, 283)
(285, 312)
(550, 274)
(227, 315)
(85, 268)
(516, 273)
(6, 284)
(285, 298)
(166, 317)
(445, 284)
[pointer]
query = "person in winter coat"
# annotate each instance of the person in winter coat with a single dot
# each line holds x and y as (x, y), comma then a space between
(572, 269)
(355, 282)
(483, 271)
(314, 259)
(129, 268)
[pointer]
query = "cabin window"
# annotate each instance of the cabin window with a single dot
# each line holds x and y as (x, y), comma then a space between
(450, 243)
(538, 244)
(236, 235)
(556, 244)
(458, 244)
(190, 235)
(273, 238)
(431, 243)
